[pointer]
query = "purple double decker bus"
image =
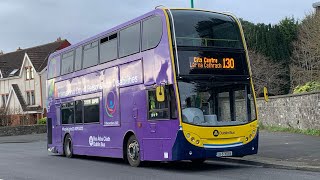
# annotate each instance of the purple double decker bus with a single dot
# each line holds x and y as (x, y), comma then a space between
(170, 85)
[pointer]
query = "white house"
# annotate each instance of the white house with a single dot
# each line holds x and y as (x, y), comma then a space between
(23, 80)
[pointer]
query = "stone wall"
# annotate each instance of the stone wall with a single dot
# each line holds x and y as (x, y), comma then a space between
(301, 111)
(22, 130)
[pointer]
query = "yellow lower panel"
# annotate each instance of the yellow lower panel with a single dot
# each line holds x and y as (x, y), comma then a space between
(199, 135)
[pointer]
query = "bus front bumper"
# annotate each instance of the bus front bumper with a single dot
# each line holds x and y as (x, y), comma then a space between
(183, 150)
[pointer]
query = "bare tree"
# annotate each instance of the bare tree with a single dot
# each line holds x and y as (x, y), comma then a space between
(305, 65)
(14, 117)
(267, 73)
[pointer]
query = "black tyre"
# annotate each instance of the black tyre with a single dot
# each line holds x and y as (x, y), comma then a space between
(198, 161)
(67, 146)
(133, 152)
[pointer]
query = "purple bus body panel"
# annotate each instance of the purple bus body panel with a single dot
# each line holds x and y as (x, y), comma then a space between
(121, 86)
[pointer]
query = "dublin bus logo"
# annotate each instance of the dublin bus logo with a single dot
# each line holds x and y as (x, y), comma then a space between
(215, 133)
(111, 104)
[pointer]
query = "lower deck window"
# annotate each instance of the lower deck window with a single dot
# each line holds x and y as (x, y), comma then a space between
(81, 111)
(91, 110)
(67, 113)
(78, 111)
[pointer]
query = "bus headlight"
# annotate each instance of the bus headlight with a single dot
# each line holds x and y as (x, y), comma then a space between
(192, 138)
(188, 135)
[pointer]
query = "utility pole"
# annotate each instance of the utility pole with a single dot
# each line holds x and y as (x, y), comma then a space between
(192, 5)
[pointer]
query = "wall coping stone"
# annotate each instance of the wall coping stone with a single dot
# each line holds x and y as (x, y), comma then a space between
(290, 95)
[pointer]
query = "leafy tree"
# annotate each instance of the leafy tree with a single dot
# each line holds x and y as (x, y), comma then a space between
(274, 42)
(308, 87)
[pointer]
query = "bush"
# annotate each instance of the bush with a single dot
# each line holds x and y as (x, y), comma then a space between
(308, 87)
(42, 121)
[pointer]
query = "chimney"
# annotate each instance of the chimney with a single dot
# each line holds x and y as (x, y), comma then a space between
(59, 39)
(19, 49)
(1, 52)
(317, 7)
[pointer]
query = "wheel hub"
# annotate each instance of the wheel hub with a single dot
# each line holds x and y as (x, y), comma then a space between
(133, 150)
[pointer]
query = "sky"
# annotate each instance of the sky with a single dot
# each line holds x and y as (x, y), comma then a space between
(27, 23)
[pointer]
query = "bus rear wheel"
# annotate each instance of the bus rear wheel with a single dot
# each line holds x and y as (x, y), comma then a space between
(133, 152)
(67, 146)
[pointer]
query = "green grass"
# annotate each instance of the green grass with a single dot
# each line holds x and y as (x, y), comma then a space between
(312, 132)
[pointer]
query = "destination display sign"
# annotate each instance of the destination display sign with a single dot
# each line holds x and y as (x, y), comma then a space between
(212, 63)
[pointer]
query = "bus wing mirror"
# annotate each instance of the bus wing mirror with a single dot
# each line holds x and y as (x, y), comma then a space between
(265, 94)
(160, 93)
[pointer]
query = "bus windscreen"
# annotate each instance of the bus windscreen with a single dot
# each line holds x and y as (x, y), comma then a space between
(206, 29)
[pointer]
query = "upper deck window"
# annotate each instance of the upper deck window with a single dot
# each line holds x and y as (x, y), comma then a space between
(108, 48)
(207, 29)
(151, 32)
(129, 40)
(78, 58)
(90, 54)
(67, 63)
(53, 68)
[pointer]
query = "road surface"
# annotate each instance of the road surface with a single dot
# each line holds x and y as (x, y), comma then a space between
(27, 159)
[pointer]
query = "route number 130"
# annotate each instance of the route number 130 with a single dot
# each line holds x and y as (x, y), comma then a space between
(228, 63)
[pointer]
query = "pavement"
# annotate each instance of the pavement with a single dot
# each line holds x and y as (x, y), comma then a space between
(276, 150)
(285, 150)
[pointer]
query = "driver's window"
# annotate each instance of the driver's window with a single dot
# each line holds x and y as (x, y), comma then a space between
(157, 110)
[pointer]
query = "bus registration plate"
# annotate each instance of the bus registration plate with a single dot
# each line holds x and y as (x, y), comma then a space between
(224, 154)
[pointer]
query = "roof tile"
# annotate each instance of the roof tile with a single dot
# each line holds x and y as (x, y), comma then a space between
(38, 56)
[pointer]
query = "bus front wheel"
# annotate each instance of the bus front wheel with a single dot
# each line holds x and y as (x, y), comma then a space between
(67, 146)
(133, 152)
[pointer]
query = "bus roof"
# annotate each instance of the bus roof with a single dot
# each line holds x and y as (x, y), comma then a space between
(118, 27)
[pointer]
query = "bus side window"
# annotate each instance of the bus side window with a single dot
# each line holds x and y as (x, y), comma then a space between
(91, 110)
(157, 110)
(129, 40)
(78, 59)
(78, 112)
(151, 32)
(109, 48)
(67, 113)
(67, 63)
(53, 68)
(90, 55)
